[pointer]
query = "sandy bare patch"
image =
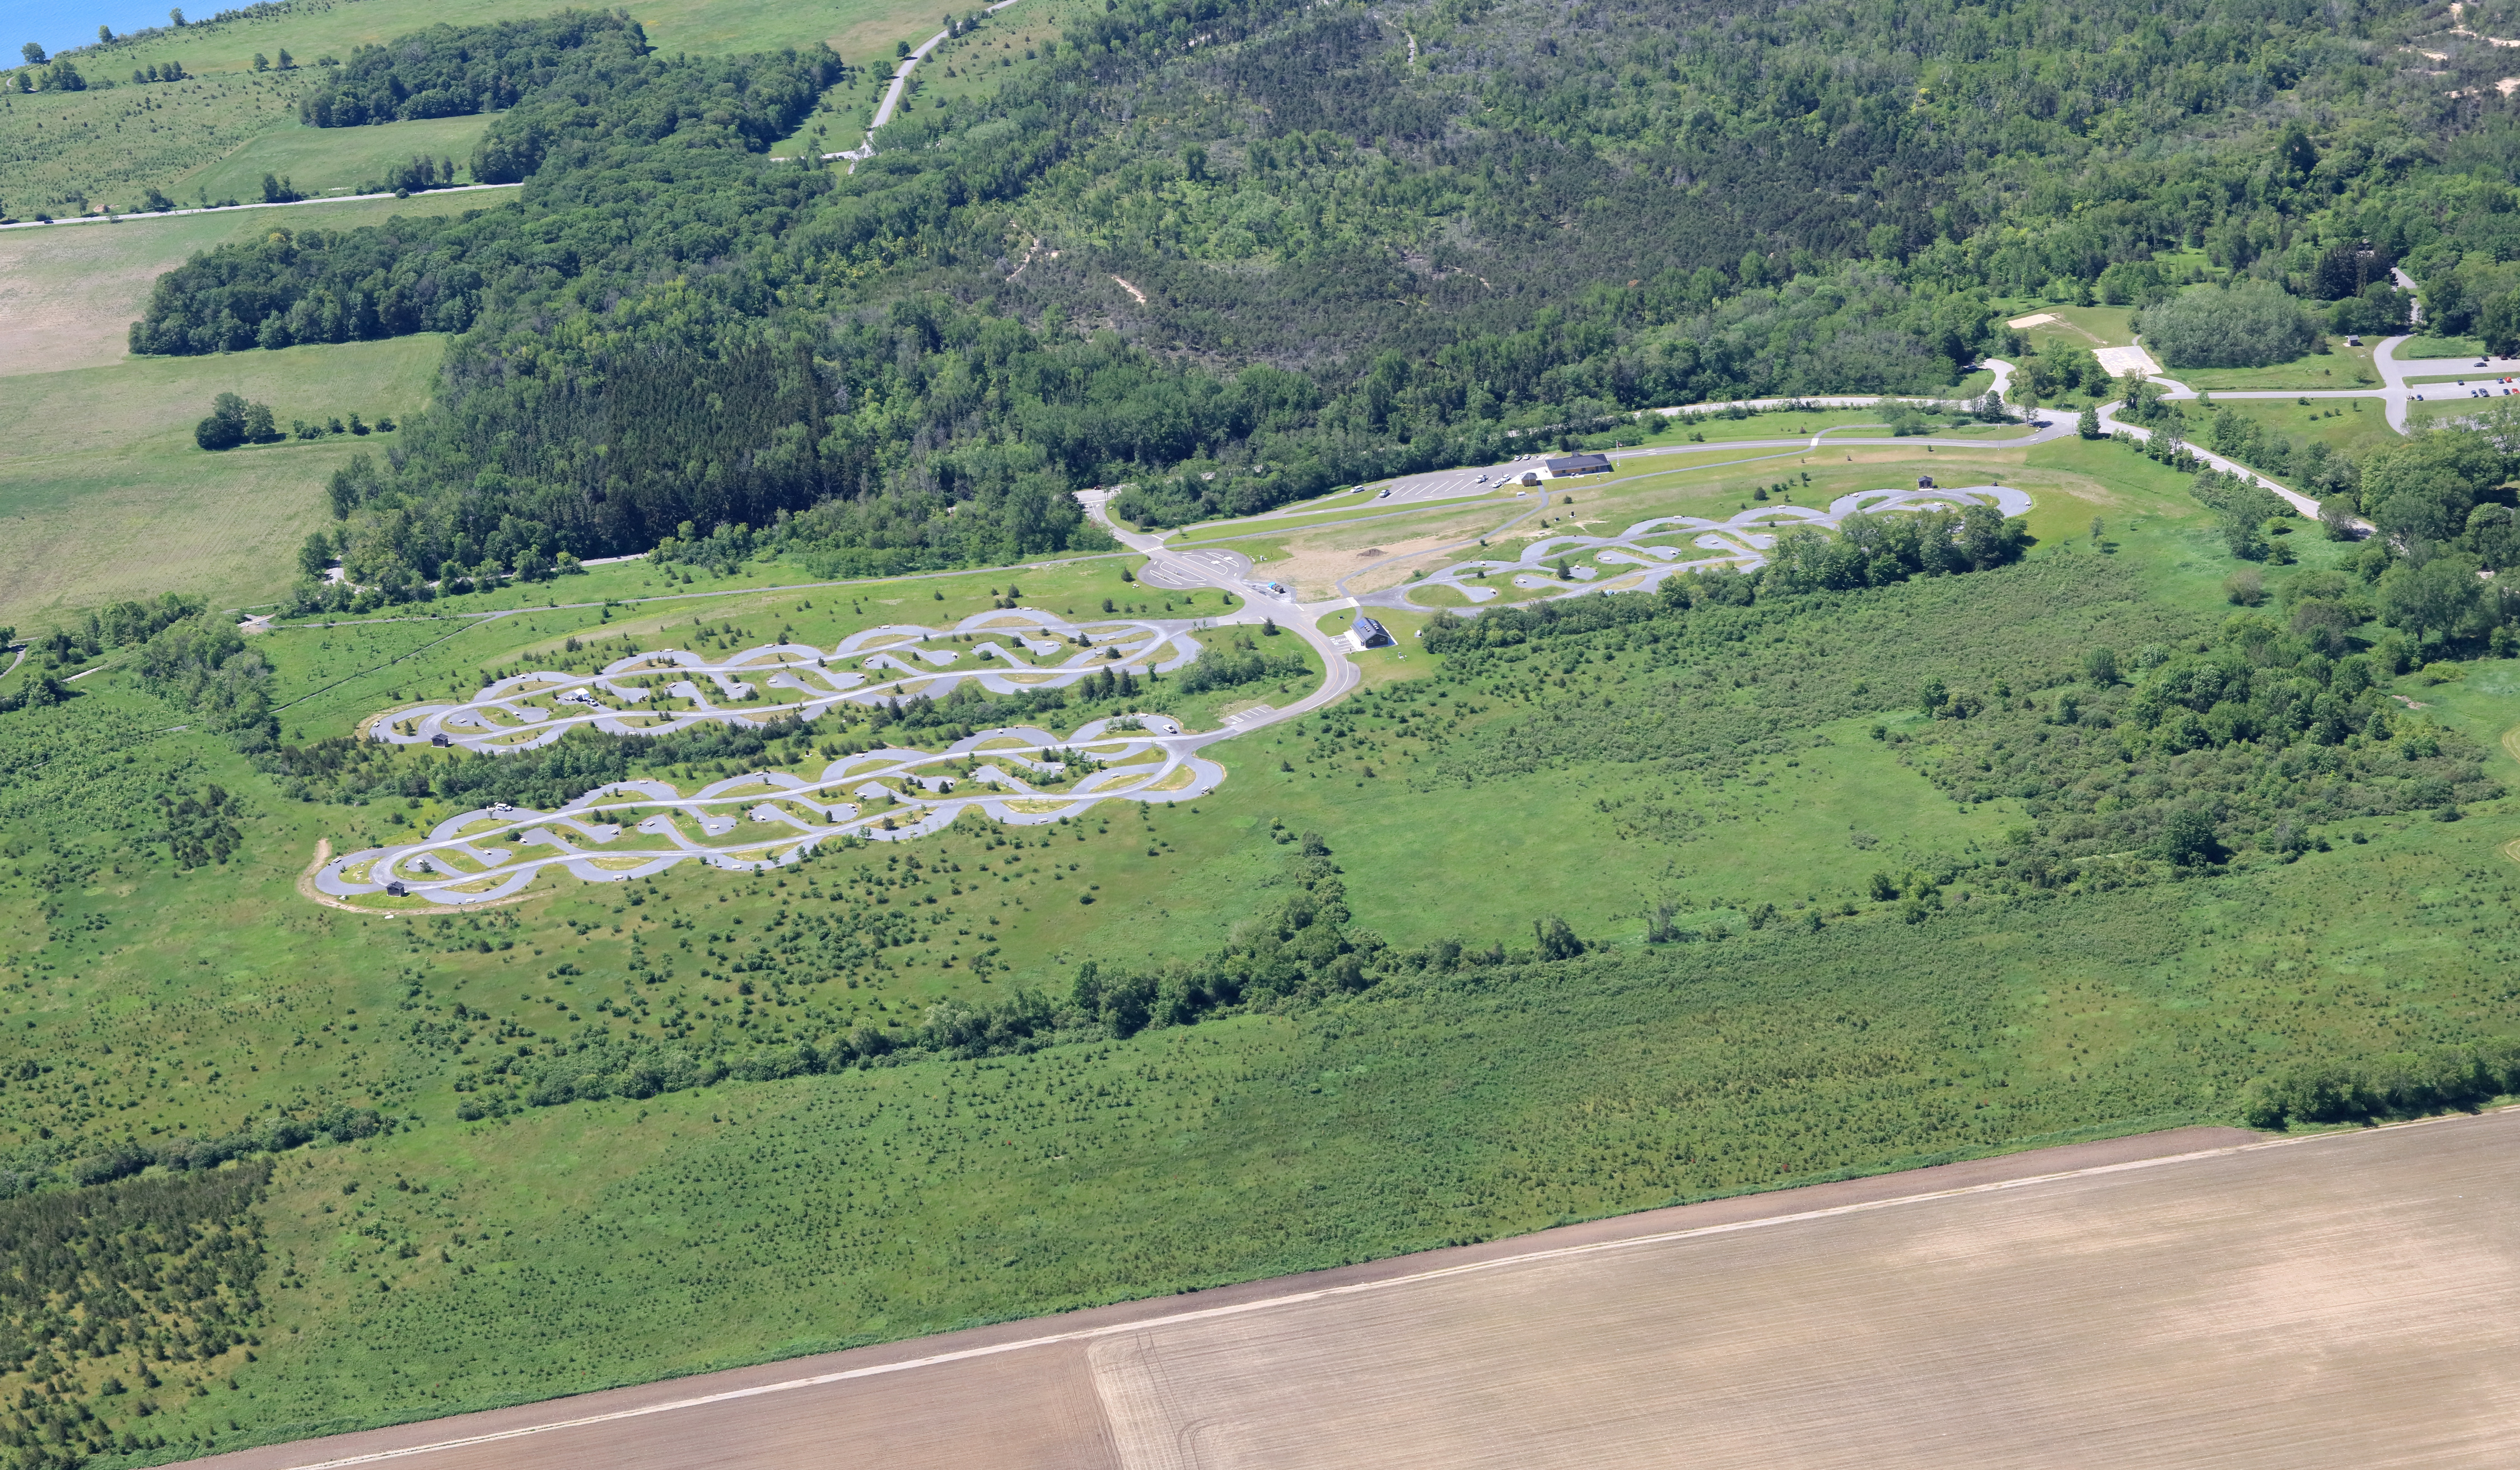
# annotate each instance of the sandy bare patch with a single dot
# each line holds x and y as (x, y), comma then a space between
(1314, 571)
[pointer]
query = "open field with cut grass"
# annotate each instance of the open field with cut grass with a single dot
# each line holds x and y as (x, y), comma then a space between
(2417, 348)
(104, 495)
(2340, 366)
(2076, 325)
(319, 161)
(2354, 428)
(70, 294)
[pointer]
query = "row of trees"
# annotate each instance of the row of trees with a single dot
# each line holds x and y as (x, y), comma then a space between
(234, 419)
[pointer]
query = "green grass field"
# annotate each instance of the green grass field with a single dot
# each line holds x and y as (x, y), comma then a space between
(2418, 348)
(2340, 366)
(75, 289)
(218, 133)
(105, 496)
(2075, 326)
(701, 26)
(78, 152)
(777, 1217)
(320, 161)
(2354, 428)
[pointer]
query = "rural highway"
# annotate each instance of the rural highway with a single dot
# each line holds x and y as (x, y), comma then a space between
(2205, 1295)
(900, 84)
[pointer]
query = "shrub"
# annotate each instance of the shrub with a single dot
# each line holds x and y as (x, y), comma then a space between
(2244, 588)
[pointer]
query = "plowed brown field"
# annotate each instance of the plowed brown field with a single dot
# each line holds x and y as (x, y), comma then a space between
(2197, 1298)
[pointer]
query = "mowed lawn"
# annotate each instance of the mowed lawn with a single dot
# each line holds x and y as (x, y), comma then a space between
(103, 494)
(319, 161)
(69, 294)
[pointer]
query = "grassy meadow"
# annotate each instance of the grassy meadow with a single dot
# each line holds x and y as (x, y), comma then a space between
(216, 133)
(2353, 426)
(320, 161)
(449, 1264)
(68, 295)
(93, 152)
(105, 496)
(2339, 367)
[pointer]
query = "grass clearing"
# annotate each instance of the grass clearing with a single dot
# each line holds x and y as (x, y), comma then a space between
(105, 496)
(70, 294)
(701, 26)
(78, 152)
(2075, 326)
(319, 161)
(2354, 427)
(2418, 348)
(2339, 367)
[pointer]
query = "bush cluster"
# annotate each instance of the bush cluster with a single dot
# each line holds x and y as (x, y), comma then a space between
(2403, 1085)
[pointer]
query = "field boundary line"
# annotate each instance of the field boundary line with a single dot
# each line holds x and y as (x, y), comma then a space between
(1298, 1298)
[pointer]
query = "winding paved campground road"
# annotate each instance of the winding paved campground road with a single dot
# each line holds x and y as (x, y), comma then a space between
(2199, 1297)
(1022, 776)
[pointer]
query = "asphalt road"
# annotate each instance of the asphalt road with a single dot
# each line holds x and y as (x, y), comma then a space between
(337, 199)
(2394, 393)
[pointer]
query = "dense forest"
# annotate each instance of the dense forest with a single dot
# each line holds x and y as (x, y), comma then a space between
(1366, 242)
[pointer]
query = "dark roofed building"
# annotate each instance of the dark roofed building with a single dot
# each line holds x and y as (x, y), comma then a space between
(1578, 463)
(1371, 634)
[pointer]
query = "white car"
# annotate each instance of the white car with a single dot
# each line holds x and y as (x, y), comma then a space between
(1385, 495)
(1482, 479)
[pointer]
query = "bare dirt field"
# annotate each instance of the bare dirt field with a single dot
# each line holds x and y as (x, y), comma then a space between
(1314, 565)
(2191, 1298)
